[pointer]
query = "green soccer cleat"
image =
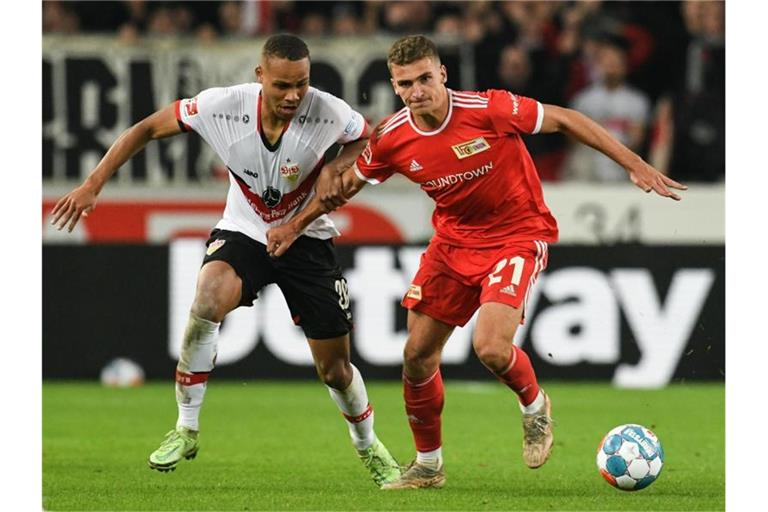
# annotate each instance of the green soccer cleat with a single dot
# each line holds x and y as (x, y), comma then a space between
(179, 443)
(380, 463)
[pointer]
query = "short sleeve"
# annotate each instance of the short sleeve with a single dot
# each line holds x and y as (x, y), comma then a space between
(352, 125)
(355, 127)
(373, 163)
(197, 113)
(511, 113)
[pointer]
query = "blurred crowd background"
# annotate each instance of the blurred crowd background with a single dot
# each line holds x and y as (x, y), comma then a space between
(653, 73)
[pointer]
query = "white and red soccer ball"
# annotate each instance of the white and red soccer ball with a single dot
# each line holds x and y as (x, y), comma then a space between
(630, 457)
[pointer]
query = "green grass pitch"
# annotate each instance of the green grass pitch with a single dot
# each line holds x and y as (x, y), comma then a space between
(284, 446)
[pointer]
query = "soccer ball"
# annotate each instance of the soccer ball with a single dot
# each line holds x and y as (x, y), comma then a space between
(122, 373)
(630, 457)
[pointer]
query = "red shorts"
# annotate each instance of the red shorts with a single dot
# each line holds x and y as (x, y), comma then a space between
(452, 282)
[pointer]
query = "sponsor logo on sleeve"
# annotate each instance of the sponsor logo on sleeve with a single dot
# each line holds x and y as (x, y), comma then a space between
(471, 147)
(352, 127)
(190, 107)
(368, 153)
(515, 103)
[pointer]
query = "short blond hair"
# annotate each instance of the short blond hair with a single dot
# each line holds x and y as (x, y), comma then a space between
(409, 49)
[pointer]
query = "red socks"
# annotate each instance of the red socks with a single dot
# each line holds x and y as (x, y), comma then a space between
(424, 404)
(520, 377)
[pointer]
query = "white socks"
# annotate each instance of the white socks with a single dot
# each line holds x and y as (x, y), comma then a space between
(189, 399)
(433, 459)
(353, 404)
(198, 353)
(534, 406)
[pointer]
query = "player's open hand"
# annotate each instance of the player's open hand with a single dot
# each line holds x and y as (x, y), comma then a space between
(69, 209)
(280, 238)
(649, 179)
(329, 189)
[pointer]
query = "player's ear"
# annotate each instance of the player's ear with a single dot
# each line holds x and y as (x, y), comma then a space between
(259, 74)
(443, 73)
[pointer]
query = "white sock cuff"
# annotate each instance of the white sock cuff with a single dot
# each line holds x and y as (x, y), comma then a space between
(202, 325)
(534, 406)
(433, 459)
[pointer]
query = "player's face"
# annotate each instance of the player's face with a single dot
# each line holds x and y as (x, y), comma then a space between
(284, 83)
(421, 85)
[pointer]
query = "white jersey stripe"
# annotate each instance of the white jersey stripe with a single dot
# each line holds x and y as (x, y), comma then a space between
(395, 118)
(470, 105)
(392, 127)
(541, 251)
(466, 95)
(470, 100)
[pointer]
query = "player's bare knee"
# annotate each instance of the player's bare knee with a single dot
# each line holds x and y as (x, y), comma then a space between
(337, 375)
(218, 292)
(493, 353)
(419, 362)
(207, 308)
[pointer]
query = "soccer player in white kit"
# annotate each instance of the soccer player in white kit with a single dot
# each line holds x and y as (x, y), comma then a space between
(272, 135)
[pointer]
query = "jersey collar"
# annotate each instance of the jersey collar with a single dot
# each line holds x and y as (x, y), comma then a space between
(271, 147)
(439, 128)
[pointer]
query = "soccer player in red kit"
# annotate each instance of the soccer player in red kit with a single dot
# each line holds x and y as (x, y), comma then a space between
(492, 230)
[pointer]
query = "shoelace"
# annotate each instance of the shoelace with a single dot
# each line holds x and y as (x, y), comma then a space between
(170, 437)
(537, 428)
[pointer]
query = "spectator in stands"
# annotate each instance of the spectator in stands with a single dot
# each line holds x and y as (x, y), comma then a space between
(515, 73)
(59, 18)
(618, 107)
(345, 20)
(689, 128)
(406, 17)
(161, 22)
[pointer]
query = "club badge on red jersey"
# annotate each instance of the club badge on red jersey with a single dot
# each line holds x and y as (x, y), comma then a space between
(414, 292)
(471, 147)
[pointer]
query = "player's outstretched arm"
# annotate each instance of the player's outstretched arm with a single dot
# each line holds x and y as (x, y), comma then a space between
(329, 186)
(82, 200)
(280, 238)
(587, 131)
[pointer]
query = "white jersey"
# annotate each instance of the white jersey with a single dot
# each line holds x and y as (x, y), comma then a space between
(616, 110)
(268, 185)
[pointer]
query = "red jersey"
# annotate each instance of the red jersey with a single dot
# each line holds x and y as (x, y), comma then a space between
(475, 166)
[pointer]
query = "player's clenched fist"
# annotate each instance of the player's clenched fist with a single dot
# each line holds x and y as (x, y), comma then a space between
(329, 189)
(279, 239)
(69, 209)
